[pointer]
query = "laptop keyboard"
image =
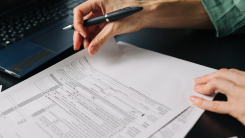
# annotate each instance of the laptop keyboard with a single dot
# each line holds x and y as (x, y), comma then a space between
(19, 25)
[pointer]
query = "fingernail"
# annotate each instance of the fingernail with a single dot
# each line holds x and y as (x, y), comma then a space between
(197, 79)
(192, 98)
(74, 47)
(82, 35)
(197, 86)
(93, 50)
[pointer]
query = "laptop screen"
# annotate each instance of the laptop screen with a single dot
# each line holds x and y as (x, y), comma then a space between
(6, 5)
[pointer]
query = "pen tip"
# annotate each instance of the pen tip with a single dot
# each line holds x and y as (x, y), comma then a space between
(67, 27)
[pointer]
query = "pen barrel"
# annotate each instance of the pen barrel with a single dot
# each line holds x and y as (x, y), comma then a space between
(94, 21)
(123, 13)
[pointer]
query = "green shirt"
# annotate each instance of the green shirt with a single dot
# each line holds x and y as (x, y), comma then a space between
(228, 16)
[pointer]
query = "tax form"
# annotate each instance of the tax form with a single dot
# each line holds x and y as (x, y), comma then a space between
(83, 96)
(182, 123)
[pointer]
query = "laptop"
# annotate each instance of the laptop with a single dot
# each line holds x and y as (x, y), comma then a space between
(31, 33)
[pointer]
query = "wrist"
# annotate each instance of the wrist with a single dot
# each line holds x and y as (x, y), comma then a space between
(150, 9)
(175, 14)
(141, 16)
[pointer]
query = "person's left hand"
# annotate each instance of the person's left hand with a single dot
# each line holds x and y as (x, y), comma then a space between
(229, 82)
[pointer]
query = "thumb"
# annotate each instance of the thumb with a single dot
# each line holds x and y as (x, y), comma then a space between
(105, 34)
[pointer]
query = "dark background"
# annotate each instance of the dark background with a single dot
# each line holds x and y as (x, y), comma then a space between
(9, 4)
(198, 46)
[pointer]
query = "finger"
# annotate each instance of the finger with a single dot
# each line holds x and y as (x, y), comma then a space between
(222, 73)
(77, 40)
(90, 29)
(88, 16)
(102, 25)
(105, 34)
(96, 31)
(81, 11)
(93, 34)
(85, 43)
(238, 71)
(216, 84)
(213, 106)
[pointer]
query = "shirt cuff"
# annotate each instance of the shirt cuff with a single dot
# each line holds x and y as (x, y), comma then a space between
(227, 16)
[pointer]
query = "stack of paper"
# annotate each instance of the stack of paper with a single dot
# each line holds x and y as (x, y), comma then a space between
(130, 94)
(180, 125)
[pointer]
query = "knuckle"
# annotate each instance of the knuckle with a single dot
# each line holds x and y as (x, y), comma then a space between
(214, 106)
(203, 89)
(200, 102)
(75, 10)
(205, 77)
(76, 26)
(221, 72)
(215, 81)
(100, 41)
(232, 69)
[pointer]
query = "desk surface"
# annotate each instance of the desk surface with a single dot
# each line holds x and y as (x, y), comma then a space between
(198, 46)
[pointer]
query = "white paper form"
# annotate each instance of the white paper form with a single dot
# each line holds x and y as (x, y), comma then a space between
(182, 123)
(106, 95)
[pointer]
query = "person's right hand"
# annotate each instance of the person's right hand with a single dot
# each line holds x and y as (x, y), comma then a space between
(229, 82)
(155, 14)
(94, 37)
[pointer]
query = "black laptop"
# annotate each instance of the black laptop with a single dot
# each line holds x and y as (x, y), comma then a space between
(31, 32)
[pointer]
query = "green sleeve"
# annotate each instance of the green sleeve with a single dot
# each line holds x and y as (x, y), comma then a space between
(228, 16)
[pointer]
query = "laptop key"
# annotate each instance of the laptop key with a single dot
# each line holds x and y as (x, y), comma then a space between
(2, 35)
(16, 26)
(10, 31)
(8, 42)
(34, 25)
(14, 37)
(21, 35)
(3, 39)
(41, 25)
(27, 28)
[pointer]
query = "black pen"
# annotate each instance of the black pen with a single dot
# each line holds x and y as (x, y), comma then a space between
(118, 14)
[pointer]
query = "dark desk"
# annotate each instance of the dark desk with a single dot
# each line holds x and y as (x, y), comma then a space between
(198, 46)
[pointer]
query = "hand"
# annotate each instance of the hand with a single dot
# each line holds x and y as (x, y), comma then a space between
(94, 37)
(155, 14)
(229, 82)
